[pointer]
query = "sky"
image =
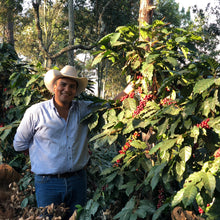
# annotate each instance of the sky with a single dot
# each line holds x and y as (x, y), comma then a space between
(200, 3)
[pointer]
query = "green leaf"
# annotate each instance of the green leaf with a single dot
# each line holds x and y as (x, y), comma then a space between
(126, 212)
(112, 116)
(93, 121)
(24, 203)
(215, 166)
(163, 127)
(94, 207)
(106, 132)
(217, 82)
(185, 51)
(147, 206)
(143, 33)
(130, 104)
(177, 198)
(101, 142)
(180, 39)
(147, 70)
(111, 177)
(119, 156)
(196, 37)
(32, 80)
(194, 178)
(180, 169)
(165, 155)
(121, 115)
(195, 133)
(28, 99)
(155, 180)
(6, 131)
(138, 144)
(118, 43)
(128, 113)
(133, 216)
(189, 195)
(185, 153)
(1, 158)
(107, 171)
(129, 187)
(136, 64)
(171, 110)
(172, 61)
(157, 174)
(215, 124)
(160, 211)
(114, 37)
(203, 85)
(152, 57)
(190, 109)
(105, 40)
(174, 125)
(112, 138)
(98, 58)
(129, 128)
(108, 125)
(119, 125)
(141, 213)
(209, 182)
(209, 105)
(13, 79)
(164, 145)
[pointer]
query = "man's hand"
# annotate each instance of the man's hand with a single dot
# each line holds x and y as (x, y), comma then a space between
(128, 89)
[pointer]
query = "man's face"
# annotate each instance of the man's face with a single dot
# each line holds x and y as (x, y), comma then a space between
(65, 90)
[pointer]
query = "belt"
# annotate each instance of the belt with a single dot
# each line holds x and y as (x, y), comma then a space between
(62, 175)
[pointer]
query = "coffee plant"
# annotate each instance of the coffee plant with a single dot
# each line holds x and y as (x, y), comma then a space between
(160, 143)
(156, 149)
(21, 86)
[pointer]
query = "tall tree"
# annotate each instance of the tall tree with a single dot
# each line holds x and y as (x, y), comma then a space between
(169, 11)
(146, 11)
(71, 31)
(8, 11)
(209, 26)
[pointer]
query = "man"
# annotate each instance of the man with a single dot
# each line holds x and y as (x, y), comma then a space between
(57, 141)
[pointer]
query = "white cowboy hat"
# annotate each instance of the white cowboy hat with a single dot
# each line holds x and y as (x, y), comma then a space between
(68, 71)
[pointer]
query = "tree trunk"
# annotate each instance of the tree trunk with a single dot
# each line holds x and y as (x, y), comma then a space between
(145, 16)
(9, 30)
(71, 32)
(145, 12)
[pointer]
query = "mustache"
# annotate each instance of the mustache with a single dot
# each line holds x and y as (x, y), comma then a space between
(66, 93)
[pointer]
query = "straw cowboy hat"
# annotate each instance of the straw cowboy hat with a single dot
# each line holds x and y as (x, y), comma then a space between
(68, 71)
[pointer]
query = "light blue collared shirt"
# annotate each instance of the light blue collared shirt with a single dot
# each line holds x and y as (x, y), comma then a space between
(55, 145)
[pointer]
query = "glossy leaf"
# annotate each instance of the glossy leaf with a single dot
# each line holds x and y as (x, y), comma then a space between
(185, 153)
(189, 195)
(164, 145)
(178, 198)
(203, 85)
(209, 182)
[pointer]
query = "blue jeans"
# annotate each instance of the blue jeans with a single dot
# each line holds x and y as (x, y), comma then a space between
(71, 191)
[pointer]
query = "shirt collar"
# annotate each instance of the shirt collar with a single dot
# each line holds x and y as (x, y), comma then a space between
(73, 104)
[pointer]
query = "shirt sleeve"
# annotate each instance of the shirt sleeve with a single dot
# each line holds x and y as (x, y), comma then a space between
(25, 132)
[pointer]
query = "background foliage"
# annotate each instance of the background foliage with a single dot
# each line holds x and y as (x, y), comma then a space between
(178, 164)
